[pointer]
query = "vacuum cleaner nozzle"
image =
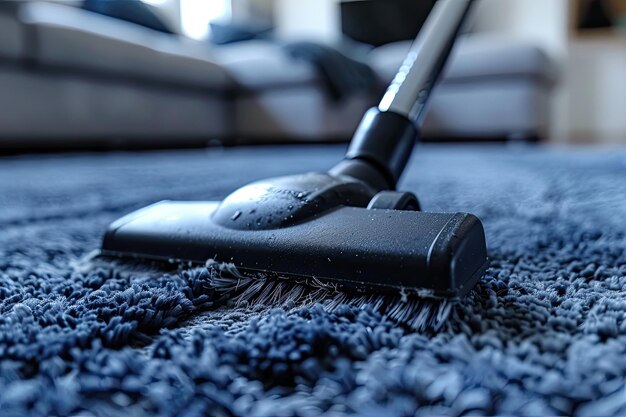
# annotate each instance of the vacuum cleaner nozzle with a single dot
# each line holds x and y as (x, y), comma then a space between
(291, 228)
(345, 231)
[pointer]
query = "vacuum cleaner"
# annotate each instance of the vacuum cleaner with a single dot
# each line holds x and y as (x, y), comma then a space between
(345, 236)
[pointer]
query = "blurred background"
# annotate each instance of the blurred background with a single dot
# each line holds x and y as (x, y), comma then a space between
(176, 73)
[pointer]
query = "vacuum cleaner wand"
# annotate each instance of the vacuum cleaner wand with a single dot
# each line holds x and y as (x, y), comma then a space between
(338, 232)
(387, 134)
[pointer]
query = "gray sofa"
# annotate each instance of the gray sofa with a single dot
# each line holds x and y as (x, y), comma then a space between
(68, 76)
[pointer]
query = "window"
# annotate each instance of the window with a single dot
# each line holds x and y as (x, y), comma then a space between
(195, 15)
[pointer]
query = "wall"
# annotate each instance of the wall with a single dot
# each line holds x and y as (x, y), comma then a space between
(314, 19)
(541, 21)
(257, 10)
(596, 78)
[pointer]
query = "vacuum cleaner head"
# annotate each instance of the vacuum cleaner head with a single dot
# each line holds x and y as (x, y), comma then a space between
(342, 237)
(291, 228)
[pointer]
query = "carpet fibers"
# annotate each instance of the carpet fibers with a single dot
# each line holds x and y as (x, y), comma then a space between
(544, 333)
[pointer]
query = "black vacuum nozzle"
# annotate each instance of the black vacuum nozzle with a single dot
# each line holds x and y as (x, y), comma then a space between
(359, 248)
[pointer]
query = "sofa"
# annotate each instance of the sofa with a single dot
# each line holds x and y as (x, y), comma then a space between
(76, 78)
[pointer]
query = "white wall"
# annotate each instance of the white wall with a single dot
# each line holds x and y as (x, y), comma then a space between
(312, 19)
(261, 11)
(541, 21)
(596, 79)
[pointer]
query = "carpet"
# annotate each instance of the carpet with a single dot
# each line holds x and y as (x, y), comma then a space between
(544, 332)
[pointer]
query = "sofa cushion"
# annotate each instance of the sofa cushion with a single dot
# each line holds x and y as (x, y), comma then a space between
(477, 56)
(11, 38)
(69, 37)
(262, 65)
(497, 109)
(223, 33)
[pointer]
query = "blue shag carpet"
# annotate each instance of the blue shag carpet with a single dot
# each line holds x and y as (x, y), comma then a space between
(544, 333)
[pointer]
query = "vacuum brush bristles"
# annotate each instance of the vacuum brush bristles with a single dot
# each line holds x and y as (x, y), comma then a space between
(342, 237)
(420, 313)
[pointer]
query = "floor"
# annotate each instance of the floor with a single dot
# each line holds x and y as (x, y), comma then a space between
(544, 332)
